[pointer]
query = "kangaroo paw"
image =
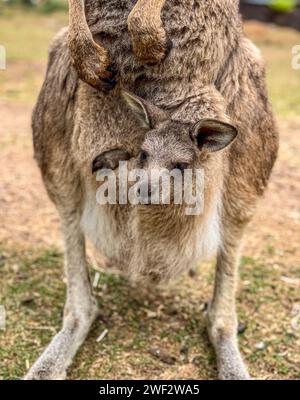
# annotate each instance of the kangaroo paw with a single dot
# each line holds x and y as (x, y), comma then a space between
(92, 64)
(150, 42)
(151, 48)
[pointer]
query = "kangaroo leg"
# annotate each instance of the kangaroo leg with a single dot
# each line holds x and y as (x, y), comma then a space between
(90, 60)
(222, 317)
(149, 39)
(80, 309)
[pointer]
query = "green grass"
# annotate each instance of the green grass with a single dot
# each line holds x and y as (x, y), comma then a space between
(26, 35)
(32, 283)
(283, 81)
(139, 319)
(34, 296)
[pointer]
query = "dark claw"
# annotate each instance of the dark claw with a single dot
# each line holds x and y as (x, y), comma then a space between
(108, 84)
(113, 70)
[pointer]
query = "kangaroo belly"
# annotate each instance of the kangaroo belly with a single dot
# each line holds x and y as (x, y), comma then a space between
(147, 252)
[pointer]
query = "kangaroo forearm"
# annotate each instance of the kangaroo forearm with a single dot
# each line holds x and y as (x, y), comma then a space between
(90, 59)
(144, 18)
(78, 27)
(149, 39)
(145, 12)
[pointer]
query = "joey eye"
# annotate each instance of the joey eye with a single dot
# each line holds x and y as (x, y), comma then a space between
(143, 156)
(181, 166)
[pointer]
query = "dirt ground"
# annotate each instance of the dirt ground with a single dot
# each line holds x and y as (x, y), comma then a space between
(140, 321)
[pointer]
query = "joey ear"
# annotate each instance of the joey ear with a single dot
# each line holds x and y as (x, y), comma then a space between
(213, 135)
(148, 114)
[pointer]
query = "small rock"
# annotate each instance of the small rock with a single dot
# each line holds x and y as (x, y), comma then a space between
(163, 356)
(184, 351)
(15, 268)
(290, 281)
(172, 311)
(260, 346)
(192, 273)
(27, 301)
(2, 260)
(197, 361)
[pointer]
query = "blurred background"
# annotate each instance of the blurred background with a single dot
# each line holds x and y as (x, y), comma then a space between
(280, 12)
(140, 321)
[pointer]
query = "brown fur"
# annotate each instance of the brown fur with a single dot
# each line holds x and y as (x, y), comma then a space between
(92, 60)
(149, 39)
(212, 71)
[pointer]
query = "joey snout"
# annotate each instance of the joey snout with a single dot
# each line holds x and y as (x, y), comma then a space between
(155, 187)
(146, 191)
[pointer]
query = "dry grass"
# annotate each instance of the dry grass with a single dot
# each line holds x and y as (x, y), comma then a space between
(283, 82)
(139, 321)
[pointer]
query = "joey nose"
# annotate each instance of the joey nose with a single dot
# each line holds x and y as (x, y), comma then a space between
(144, 192)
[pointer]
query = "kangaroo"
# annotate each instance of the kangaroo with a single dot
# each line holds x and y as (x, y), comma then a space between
(204, 107)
